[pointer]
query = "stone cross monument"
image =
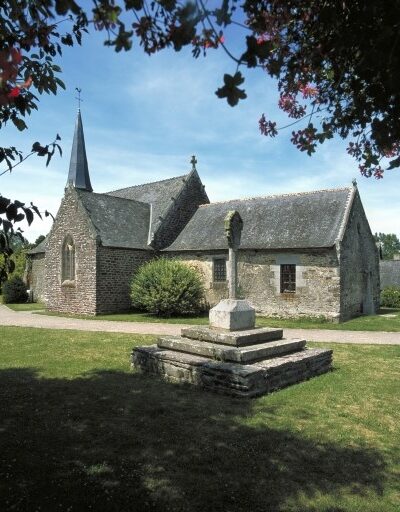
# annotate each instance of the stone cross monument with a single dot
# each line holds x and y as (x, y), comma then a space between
(233, 225)
(233, 314)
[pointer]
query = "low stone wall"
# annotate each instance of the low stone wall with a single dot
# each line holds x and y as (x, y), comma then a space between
(390, 273)
(36, 277)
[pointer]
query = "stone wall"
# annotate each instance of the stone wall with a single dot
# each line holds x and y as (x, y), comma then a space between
(36, 276)
(389, 273)
(79, 295)
(317, 281)
(359, 266)
(102, 274)
(115, 268)
(183, 209)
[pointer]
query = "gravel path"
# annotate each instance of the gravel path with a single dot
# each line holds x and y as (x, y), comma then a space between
(27, 319)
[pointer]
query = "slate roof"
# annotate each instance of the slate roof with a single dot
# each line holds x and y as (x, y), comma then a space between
(40, 248)
(290, 221)
(119, 222)
(159, 194)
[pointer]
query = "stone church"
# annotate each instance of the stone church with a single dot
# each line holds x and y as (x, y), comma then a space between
(302, 254)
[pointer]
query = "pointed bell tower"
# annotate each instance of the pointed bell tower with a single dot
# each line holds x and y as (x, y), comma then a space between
(78, 175)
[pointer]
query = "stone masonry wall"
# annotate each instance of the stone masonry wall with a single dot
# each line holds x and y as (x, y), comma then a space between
(115, 268)
(79, 295)
(389, 273)
(36, 277)
(317, 281)
(359, 266)
(185, 205)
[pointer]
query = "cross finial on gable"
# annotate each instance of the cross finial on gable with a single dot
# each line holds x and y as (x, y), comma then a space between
(193, 161)
(79, 97)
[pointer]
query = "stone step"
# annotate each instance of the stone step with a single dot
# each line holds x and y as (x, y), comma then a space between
(244, 355)
(234, 338)
(232, 378)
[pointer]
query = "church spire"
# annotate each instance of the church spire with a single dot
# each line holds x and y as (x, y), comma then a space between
(78, 174)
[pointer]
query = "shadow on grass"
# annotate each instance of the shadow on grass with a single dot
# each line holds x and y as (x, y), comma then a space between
(116, 442)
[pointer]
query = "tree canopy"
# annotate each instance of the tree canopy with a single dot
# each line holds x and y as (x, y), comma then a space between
(390, 244)
(337, 65)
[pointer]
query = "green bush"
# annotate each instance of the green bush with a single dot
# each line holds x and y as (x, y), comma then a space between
(14, 291)
(390, 297)
(167, 287)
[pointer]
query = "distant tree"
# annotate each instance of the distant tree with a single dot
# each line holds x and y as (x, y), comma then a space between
(38, 240)
(11, 238)
(390, 244)
(18, 242)
(17, 259)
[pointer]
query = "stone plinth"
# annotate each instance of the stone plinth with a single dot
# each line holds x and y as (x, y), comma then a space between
(240, 363)
(235, 379)
(233, 315)
(244, 355)
(235, 338)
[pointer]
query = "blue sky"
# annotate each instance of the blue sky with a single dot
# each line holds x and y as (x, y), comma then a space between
(144, 117)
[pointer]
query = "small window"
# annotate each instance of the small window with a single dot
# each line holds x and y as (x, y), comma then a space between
(288, 278)
(68, 260)
(220, 270)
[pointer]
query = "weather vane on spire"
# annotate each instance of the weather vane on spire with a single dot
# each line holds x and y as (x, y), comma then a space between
(79, 97)
(193, 161)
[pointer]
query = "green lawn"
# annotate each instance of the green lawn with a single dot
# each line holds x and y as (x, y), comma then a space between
(80, 431)
(387, 320)
(27, 306)
(137, 317)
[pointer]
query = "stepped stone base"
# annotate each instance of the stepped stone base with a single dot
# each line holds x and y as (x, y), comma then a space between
(235, 338)
(244, 362)
(236, 379)
(244, 355)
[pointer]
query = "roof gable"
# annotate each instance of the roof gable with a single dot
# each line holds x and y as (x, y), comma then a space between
(289, 221)
(119, 222)
(40, 248)
(160, 194)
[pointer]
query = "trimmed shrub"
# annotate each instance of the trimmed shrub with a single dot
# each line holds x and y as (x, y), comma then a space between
(14, 291)
(390, 297)
(167, 287)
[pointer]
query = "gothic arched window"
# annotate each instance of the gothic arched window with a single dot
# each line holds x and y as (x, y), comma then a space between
(68, 259)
